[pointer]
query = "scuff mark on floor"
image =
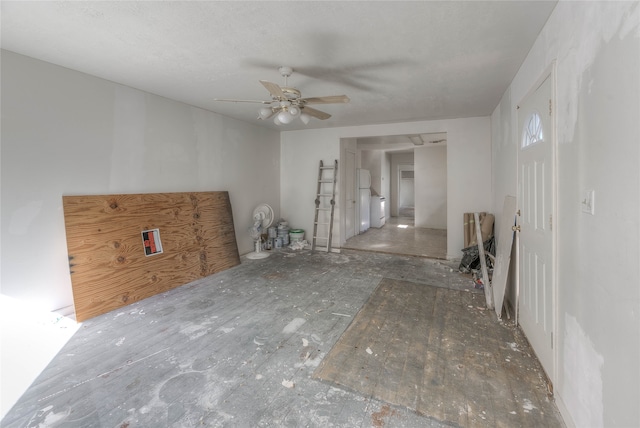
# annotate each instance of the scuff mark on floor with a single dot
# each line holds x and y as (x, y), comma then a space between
(378, 418)
(293, 326)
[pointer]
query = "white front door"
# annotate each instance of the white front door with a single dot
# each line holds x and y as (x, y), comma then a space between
(537, 300)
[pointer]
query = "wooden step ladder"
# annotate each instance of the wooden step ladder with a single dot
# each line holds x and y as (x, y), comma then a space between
(325, 204)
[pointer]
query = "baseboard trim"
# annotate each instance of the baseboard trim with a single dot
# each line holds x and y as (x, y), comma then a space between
(564, 412)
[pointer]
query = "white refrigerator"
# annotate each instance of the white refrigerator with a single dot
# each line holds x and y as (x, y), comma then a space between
(377, 211)
(363, 180)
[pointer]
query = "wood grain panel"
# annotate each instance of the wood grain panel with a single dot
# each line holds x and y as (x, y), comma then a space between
(107, 261)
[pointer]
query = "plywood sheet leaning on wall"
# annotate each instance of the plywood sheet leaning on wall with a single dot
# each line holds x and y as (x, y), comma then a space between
(113, 264)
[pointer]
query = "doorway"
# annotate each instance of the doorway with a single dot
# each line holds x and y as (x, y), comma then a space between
(406, 192)
(412, 189)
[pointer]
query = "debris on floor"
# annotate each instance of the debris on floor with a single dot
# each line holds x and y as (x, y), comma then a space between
(299, 245)
(288, 383)
(471, 256)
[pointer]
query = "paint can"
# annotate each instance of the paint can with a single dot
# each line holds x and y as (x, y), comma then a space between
(283, 234)
(278, 242)
(272, 232)
(296, 235)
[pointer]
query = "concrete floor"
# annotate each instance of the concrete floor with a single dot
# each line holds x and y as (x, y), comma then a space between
(400, 236)
(29, 339)
(229, 350)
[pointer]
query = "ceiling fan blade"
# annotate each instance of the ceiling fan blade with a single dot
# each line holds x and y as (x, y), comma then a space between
(273, 89)
(315, 113)
(227, 100)
(332, 99)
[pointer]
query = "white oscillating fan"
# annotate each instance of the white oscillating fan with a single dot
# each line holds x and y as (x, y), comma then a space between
(262, 219)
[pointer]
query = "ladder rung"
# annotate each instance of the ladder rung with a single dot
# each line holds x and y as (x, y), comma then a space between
(327, 167)
(325, 194)
(321, 224)
(325, 181)
(323, 209)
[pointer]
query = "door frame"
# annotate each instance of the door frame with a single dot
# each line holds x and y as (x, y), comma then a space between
(549, 73)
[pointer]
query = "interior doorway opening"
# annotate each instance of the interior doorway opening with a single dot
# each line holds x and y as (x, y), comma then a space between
(406, 193)
(409, 173)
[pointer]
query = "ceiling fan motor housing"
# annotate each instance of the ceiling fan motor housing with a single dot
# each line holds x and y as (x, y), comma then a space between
(291, 93)
(285, 71)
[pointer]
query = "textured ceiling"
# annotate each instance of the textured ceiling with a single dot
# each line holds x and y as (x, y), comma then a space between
(397, 61)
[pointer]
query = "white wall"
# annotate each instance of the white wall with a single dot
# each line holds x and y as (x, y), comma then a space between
(68, 133)
(372, 160)
(431, 188)
(300, 160)
(468, 164)
(597, 49)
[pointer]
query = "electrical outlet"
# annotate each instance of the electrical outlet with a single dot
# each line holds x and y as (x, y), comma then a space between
(588, 202)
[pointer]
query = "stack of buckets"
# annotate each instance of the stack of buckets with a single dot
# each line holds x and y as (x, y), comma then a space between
(278, 237)
(282, 240)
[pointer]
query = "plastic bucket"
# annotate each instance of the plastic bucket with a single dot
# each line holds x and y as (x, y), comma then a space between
(296, 235)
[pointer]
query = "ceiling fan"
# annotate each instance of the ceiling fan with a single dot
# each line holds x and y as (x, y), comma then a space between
(419, 140)
(287, 103)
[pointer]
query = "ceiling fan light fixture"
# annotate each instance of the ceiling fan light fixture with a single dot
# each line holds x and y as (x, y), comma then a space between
(265, 112)
(285, 117)
(305, 118)
(294, 111)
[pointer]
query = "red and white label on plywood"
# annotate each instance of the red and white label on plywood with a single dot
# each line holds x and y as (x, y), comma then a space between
(151, 242)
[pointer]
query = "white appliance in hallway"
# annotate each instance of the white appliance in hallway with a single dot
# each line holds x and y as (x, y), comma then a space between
(363, 178)
(377, 211)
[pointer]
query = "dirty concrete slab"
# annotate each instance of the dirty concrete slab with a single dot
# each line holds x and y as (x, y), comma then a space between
(235, 349)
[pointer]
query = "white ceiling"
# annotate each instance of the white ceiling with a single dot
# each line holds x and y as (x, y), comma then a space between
(398, 61)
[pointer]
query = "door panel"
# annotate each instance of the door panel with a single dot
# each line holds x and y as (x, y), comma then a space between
(535, 199)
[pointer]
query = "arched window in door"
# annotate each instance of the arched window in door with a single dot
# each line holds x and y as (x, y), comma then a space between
(533, 132)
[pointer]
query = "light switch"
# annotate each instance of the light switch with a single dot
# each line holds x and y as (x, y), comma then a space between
(588, 202)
